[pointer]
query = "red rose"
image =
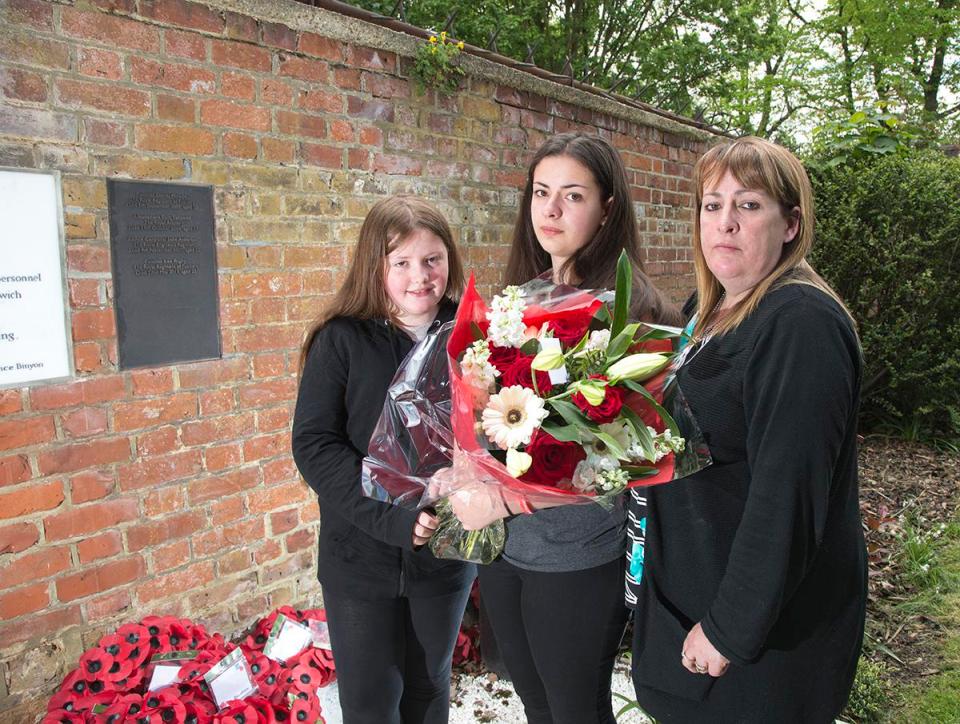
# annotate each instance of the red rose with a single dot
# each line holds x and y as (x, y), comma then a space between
(607, 410)
(553, 460)
(503, 357)
(570, 328)
(519, 374)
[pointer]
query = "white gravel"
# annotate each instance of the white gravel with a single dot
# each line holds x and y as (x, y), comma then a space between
(485, 698)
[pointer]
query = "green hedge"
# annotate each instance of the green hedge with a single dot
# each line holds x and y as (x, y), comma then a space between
(888, 240)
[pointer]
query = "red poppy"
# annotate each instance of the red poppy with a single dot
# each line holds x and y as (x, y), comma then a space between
(236, 712)
(305, 678)
(306, 710)
(198, 706)
(164, 706)
(128, 705)
(62, 716)
(609, 407)
(265, 710)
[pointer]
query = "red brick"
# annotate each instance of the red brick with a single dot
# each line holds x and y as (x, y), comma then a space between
(222, 456)
(278, 418)
(235, 115)
(87, 519)
(266, 500)
(174, 139)
(144, 535)
(269, 337)
(36, 51)
(384, 86)
(341, 131)
(152, 412)
(390, 164)
(38, 625)
(347, 78)
(92, 324)
(203, 489)
(240, 533)
(320, 101)
(172, 555)
(266, 446)
(84, 292)
(301, 124)
(226, 510)
(24, 600)
(109, 30)
(31, 431)
(242, 27)
(278, 471)
(68, 458)
(269, 365)
(99, 579)
(99, 63)
(285, 568)
(217, 429)
(279, 35)
(185, 14)
(36, 123)
(371, 136)
(88, 258)
(162, 469)
(84, 422)
(35, 566)
(266, 310)
(268, 393)
(276, 93)
(190, 578)
(18, 537)
(88, 392)
(185, 45)
(358, 158)
(186, 78)
(152, 382)
(100, 546)
(217, 402)
(163, 501)
(34, 13)
(310, 514)
(234, 562)
(301, 540)
(373, 58)
(107, 606)
(239, 145)
(91, 485)
(270, 550)
(174, 108)
(320, 46)
(277, 284)
(23, 85)
(103, 97)
(236, 85)
(239, 55)
(10, 402)
(214, 373)
(31, 498)
(283, 521)
(14, 469)
(325, 156)
(315, 71)
(155, 442)
(278, 150)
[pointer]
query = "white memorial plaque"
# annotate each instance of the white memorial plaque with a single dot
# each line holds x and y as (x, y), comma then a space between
(34, 328)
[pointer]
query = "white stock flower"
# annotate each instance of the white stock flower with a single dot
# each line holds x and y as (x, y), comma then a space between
(506, 319)
(598, 341)
(476, 366)
(512, 415)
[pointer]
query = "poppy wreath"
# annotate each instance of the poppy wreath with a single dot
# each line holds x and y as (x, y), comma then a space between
(109, 685)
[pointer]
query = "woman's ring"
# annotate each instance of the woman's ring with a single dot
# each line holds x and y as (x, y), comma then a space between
(700, 669)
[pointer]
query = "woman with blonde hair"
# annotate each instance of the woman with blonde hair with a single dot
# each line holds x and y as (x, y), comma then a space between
(752, 602)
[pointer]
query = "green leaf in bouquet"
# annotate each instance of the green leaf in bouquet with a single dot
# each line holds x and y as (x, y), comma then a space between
(564, 433)
(476, 332)
(530, 347)
(624, 288)
(621, 343)
(571, 413)
(603, 316)
(659, 331)
(639, 471)
(640, 430)
(665, 416)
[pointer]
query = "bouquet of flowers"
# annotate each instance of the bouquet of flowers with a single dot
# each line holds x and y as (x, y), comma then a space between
(551, 398)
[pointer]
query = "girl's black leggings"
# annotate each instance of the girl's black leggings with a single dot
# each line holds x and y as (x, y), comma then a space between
(559, 634)
(393, 656)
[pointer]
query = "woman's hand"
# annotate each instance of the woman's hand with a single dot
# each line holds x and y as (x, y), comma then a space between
(698, 655)
(478, 505)
(424, 527)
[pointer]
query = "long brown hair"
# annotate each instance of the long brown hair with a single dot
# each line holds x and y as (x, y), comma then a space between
(387, 225)
(594, 265)
(757, 164)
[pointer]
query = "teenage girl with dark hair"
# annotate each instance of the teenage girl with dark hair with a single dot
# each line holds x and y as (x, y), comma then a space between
(555, 599)
(393, 609)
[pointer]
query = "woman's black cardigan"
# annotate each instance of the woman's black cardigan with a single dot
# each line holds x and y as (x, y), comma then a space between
(765, 547)
(366, 546)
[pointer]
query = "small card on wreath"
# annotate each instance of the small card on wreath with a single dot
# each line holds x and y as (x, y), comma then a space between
(287, 639)
(166, 670)
(230, 679)
(320, 634)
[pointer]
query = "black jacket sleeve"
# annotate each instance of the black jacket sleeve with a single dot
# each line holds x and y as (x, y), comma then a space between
(799, 394)
(328, 460)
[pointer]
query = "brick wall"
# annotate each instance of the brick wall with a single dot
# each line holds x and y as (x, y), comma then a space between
(171, 490)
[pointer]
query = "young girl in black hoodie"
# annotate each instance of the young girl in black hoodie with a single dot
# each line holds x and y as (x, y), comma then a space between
(393, 609)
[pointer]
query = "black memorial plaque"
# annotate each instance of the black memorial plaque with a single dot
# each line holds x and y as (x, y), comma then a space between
(164, 272)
